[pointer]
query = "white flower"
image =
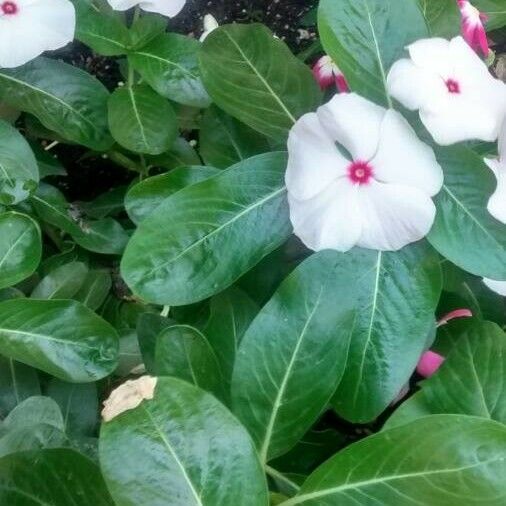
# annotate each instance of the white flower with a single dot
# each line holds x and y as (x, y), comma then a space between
(372, 190)
(457, 97)
(210, 24)
(496, 286)
(30, 27)
(497, 202)
(169, 8)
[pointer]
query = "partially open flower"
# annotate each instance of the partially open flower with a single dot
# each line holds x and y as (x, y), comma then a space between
(457, 97)
(498, 287)
(327, 73)
(30, 27)
(497, 203)
(473, 29)
(452, 315)
(359, 176)
(429, 363)
(169, 8)
(210, 24)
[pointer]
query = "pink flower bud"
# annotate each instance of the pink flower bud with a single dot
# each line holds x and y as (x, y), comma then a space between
(473, 29)
(327, 73)
(458, 313)
(429, 363)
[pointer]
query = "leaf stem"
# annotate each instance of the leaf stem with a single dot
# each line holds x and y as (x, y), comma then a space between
(273, 473)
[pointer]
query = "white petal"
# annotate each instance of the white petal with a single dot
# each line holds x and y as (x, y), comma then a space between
(432, 54)
(354, 122)
(496, 286)
(393, 216)
(502, 141)
(413, 86)
(313, 159)
(331, 220)
(497, 203)
(122, 5)
(169, 8)
(404, 159)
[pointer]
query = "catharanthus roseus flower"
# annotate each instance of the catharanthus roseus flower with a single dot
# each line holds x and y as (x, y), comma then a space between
(169, 8)
(457, 97)
(497, 203)
(429, 363)
(473, 29)
(210, 24)
(359, 176)
(452, 315)
(30, 27)
(498, 287)
(327, 73)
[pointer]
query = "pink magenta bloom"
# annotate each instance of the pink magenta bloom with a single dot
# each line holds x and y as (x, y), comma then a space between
(458, 313)
(327, 73)
(429, 363)
(473, 29)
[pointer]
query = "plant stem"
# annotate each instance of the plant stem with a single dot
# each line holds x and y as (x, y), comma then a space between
(273, 473)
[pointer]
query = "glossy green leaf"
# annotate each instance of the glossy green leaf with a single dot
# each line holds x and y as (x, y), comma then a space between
(224, 140)
(398, 295)
(464, 232)
(293, 355)
(142, 121)
(20, 248)
(48, 164)
(61, 283)
(32, 437)
(63, 338)
(184, 352)
(145, 28)
(365, 37)
(149, 326)
(32, 411)
(182, 153)
(144, 197)
(62, 97)
(169, 64)
(469, 382)
(95, 288)
(495, 10)
(106, 204)
(202, 238)
(182, 448)
(19, 173)
(443, 460)
(255, 78)
(51, 477)
(443, 17)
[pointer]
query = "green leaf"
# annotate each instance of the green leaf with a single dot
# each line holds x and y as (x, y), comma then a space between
(63, 338)
(20, 248)
(144, 197)
(32, 437)
(33, 411)
(62, 97)
(469, 382)
(48, 164)
(19, 173)
(202, 238)
(397, 295)
(365, 37)
(79, 405)
(464, 232)
(182, 448)
(224, 140)
(255, 78)
(149, 326)
(445, 459)
(95, 288)
(184, 352)
(142, 121)
(145, 28)
(443, 17)
(106, 204)
(17, 382)
(181, 154)
(51, 477)
(61, 283)
(293, 355)
(495, 11)
(169, 65)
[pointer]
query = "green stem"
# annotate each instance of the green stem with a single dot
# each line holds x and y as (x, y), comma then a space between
(273, 473)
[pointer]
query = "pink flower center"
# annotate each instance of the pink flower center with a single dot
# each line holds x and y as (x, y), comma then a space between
(360, 172)
(9, 8)
(453, 86)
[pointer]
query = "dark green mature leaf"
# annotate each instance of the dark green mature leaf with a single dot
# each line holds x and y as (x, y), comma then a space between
(145, 28)
(181, 448)
(365, 37)
(398, 295)
(225, 141)
(169, 64)
(469, 382)
(443, 17)
(51, 477)
(142, 121)
(61, 337)
(464, 231)
(95, 288)
(144, 197)
(181, 154)
(48, 164)
(62, 97)
(293, 355)
(19, 173)
(495, 10)
(255, 78)
(106, 204)
(149, 326)
(32, 411)
(444, 459)
(202, 238)
(17, 382)
(20, 248)
(32, 437)
(61, 283)
(184, 352)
